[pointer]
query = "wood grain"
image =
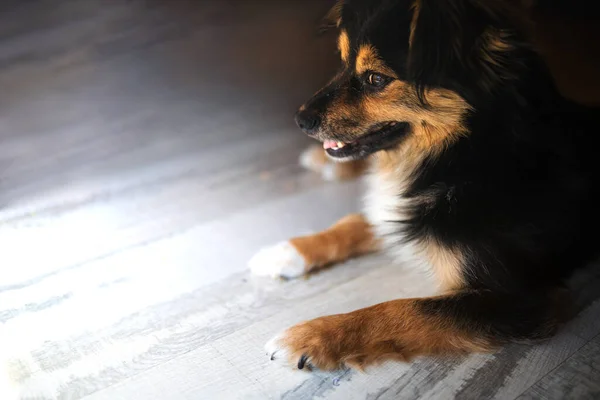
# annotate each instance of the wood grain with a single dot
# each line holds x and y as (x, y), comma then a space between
(576, 378)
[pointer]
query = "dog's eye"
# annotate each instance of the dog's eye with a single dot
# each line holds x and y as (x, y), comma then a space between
(376, 80)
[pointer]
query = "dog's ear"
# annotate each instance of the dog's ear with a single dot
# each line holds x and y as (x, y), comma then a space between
(461, 42)
(333, 17)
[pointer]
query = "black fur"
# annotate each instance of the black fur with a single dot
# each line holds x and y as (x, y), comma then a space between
(519, 195)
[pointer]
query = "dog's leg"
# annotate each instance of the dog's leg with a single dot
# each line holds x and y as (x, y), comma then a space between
(315, 159)
(349, 237)
(464, 322)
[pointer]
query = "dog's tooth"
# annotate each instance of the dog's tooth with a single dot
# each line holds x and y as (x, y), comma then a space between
(340, 145)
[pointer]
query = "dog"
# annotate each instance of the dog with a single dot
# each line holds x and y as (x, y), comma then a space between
(480, 173)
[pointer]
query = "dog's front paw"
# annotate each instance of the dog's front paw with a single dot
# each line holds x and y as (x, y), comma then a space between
(282, 260)
(313, 344)
(315, 159)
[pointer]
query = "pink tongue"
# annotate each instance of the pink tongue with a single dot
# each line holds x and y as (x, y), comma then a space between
(328, 144)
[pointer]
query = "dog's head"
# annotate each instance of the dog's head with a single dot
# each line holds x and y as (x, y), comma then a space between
(411, 71)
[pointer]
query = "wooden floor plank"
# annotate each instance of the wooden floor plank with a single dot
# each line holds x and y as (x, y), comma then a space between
(152, 296)
(576, 378)
(503, 375)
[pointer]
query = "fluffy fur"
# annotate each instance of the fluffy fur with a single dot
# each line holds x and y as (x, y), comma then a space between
(482, 173)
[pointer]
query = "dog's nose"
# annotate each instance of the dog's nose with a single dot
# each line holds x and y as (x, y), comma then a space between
(307, 120)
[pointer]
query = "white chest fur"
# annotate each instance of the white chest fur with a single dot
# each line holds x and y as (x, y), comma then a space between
(385, 204)
(386, 207)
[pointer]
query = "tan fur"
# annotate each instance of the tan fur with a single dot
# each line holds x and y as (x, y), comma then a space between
(350, 169)
(344, 45)
(334, 15)
(391, 330)
(447, 265)
(367, 59)
(416, 7)
(431, 128)
(349, 237)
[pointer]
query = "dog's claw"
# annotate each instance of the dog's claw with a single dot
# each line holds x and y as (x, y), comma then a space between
(302, 361)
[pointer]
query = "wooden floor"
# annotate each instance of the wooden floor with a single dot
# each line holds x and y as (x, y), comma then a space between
(147, 151)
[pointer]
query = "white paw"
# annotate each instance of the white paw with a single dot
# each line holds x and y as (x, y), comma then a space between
(311, 159)
(281, 260)
(276, 350)
(329, 172)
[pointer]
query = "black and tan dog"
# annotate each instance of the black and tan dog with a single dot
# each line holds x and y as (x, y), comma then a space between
(482, 173)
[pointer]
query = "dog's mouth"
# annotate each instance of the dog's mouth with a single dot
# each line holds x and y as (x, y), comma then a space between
(382, 136)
